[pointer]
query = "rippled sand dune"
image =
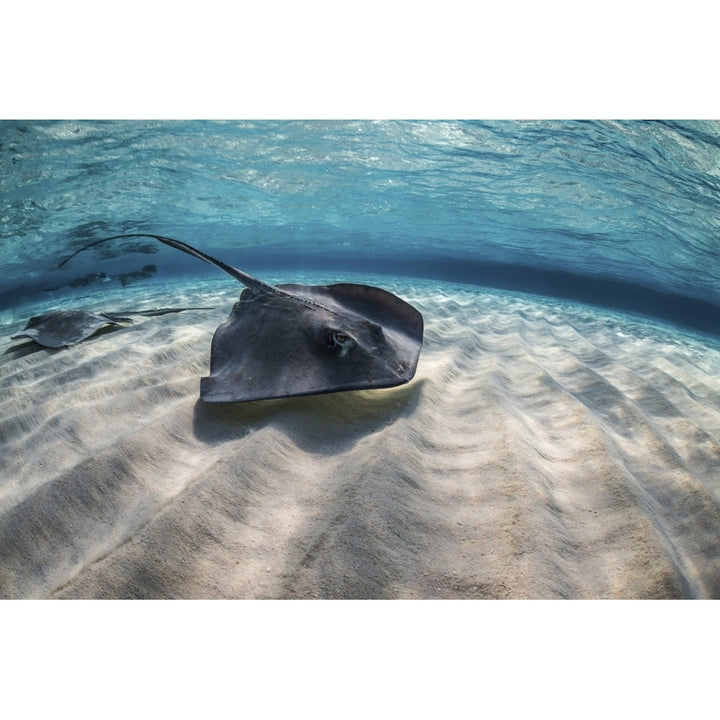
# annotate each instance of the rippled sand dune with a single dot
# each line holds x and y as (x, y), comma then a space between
(543, 450)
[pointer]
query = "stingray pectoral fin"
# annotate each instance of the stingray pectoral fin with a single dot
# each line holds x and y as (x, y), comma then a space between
(373, 303)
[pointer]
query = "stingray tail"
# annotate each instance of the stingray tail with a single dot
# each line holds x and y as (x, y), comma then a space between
(244, 278)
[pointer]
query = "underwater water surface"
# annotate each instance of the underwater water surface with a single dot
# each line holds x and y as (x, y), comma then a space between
(621, 214)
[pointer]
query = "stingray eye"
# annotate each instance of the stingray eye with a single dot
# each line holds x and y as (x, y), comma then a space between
(340, 341)
(337, 338)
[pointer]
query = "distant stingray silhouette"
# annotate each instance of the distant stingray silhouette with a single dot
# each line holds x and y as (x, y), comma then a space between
(289, 340)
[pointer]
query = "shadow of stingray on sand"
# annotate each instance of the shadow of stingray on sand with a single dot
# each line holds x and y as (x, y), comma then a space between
(318, 424)
(23, 349)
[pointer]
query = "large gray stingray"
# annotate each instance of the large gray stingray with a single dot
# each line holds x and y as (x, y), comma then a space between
(290, 340)
(60, 328)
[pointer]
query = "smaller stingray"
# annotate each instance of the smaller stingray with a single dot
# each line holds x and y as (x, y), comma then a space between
(60, 328)
(289, 340)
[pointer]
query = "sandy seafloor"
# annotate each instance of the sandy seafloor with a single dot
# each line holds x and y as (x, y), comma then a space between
(543, 450)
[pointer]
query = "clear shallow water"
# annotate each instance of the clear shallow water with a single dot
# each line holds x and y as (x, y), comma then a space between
(625, 214)
(544, 449)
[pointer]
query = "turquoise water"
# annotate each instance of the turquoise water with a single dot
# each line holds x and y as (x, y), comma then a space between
(622, 214)
(545, 447)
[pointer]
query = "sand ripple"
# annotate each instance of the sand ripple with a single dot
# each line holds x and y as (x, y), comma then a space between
(543, 451)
